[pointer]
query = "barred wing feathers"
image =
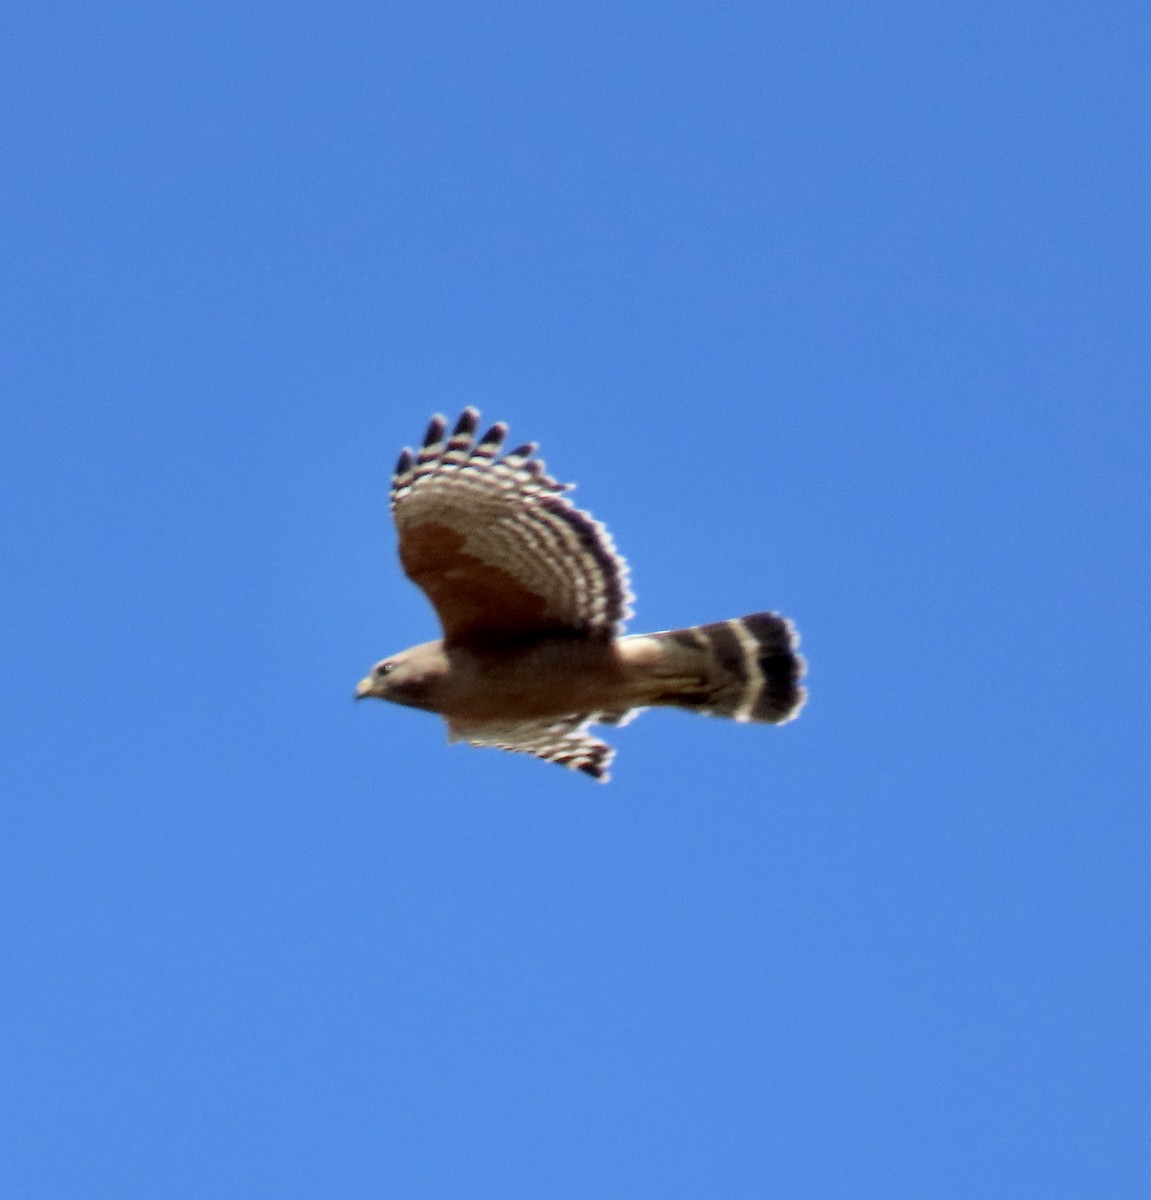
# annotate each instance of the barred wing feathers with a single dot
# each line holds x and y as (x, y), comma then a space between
(494, 544)
(561, 740)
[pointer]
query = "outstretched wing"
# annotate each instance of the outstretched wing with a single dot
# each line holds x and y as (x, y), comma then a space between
(562, 740)
(498, 550)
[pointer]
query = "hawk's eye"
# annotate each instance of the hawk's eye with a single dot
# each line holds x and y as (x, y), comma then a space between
(384, 668)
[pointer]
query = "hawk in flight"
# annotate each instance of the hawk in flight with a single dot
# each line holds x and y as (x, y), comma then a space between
(532, 597)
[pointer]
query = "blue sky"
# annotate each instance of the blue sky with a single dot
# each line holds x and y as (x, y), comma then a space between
(834, 309)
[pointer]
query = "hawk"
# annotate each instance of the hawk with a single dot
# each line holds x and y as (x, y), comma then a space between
(532, 597)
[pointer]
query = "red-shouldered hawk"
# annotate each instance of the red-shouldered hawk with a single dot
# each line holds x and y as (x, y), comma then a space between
(532, 597)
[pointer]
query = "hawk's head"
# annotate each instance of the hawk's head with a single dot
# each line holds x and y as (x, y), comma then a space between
(411, 677)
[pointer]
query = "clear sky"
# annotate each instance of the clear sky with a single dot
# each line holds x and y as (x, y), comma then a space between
(836, 309)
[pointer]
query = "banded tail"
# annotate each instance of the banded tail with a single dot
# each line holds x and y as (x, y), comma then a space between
(747, 669)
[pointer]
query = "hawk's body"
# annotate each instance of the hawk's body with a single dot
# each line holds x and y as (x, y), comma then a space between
(532, 597)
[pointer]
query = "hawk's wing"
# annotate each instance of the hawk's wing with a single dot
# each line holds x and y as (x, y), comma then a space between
(499, 552)
(561, 740)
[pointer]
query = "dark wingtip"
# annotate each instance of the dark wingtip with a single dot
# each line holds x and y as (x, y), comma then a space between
(466, 425)
(436, 428)
(404, 462)
(494, 436)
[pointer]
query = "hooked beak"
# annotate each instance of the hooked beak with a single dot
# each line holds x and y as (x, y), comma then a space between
(363, 688)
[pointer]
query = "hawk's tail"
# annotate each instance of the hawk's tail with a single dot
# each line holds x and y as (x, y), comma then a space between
(748, 669)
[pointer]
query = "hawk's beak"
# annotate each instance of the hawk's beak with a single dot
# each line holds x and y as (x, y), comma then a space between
(363, 688)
